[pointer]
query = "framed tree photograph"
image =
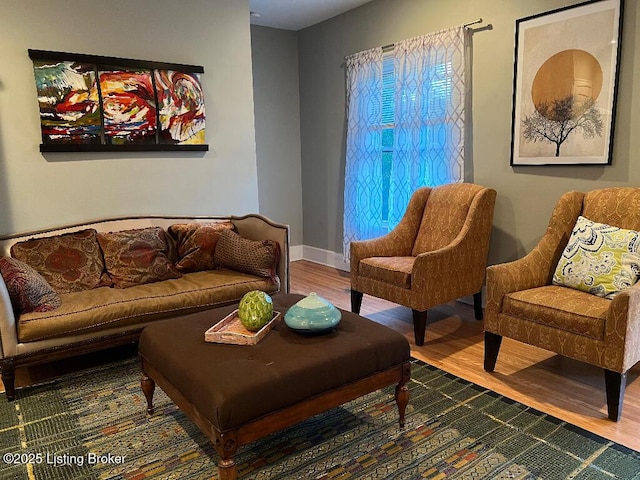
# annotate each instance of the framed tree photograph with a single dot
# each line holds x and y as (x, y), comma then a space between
(564, 85)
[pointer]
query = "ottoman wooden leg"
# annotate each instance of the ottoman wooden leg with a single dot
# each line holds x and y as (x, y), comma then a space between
(402, 392)
(227, 470)
(148, 387)
(226, 446)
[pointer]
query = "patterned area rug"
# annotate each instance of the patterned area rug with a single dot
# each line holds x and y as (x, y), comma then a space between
(94, 425)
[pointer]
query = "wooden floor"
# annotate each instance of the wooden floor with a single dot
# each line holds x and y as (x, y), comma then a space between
(565, 388)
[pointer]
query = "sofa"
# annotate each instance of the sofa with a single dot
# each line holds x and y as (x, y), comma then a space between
(75, 289)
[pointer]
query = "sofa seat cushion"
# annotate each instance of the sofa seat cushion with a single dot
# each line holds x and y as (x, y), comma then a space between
(559, 307)
(393, 270)
(103, 308)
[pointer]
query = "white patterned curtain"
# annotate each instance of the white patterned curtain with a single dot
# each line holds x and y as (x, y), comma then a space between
(429, 115)
(363, 169)
(405, 128)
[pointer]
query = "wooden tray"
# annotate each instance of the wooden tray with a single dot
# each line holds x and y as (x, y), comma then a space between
(230, 330)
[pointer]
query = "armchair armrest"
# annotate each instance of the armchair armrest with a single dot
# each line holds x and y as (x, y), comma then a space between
(537, 267)
(622, 331)
(527, 272)
(398, 242)
(439, 273)
(459, 268)
(393, 244)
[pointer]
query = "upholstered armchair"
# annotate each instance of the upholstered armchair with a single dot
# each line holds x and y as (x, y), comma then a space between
(524, 304)
(437, 253)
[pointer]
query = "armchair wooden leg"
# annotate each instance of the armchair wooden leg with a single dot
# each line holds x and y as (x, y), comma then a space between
(356, 301)
(615, 384)
(492, 343)
(419, 326)
(477, 305)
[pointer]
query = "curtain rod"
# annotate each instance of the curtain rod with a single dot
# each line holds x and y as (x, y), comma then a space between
(464, 25)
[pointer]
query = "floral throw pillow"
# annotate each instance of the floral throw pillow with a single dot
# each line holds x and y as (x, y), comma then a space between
(600, 259)
(255, 257)
(136, 257)
(28, 290)
(70, 262)
(196, 244)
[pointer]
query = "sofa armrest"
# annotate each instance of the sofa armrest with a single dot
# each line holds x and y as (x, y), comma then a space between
(258, 227)
(622, 331)
(8, 333)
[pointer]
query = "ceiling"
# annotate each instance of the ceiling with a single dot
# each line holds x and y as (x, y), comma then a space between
(298, 14)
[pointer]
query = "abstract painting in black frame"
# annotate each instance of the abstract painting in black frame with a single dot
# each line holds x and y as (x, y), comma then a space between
(96, 103)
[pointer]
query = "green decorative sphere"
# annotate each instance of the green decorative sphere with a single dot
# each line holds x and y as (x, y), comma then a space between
(255, 310)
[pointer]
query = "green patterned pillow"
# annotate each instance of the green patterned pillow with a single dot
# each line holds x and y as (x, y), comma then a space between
(600, 259)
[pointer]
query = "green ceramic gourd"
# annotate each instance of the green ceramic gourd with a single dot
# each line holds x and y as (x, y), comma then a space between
(255, 310)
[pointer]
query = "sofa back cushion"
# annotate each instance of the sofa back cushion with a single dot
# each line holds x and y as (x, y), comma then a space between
(255, 257)
(69, 262)
(196, 244)
(136, 257)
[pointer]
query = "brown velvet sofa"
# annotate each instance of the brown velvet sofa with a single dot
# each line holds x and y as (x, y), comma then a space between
(89, 319)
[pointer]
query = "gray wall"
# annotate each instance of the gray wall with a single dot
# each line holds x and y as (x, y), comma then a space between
(40, 190)
(277, 117)
(526, 195)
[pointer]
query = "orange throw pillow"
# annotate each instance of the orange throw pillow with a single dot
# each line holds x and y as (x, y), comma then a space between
(196, 244)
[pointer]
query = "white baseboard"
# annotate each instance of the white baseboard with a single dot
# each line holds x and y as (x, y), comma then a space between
(324, 257)
(295, 253)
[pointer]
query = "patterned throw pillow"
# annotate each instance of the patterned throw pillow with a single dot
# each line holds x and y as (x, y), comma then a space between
(29, 292)
(255, 257)
(196, 243)
(600, 259)
(136, 257)
(70, 262)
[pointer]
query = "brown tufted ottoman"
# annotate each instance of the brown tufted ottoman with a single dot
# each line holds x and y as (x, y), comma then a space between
(236, 394)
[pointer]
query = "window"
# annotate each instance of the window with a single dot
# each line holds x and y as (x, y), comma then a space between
(432, 103)
(405, 128)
